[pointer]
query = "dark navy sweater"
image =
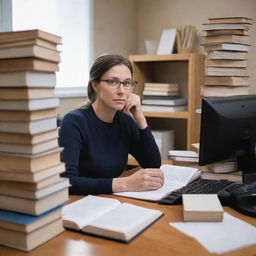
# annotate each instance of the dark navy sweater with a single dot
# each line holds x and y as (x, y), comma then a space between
(95, 152)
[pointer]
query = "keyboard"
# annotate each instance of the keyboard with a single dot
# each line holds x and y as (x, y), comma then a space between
(198, 186)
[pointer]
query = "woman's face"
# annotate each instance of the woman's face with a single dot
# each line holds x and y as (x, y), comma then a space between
(110, 96)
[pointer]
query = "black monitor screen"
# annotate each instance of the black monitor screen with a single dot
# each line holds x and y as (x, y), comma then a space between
(228, 129)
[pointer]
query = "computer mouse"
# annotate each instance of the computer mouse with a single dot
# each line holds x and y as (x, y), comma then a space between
(245, 203)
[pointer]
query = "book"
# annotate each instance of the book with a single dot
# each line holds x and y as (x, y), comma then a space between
(225, 166)
(224, 71)
(7, 115)
(160, 89)
(164, 140)
(183, 155)
(185, 38)
(161, 93)
(32, 206)
(239, 39)
(226, 63)
(229, 55)
(202, 207)
(28, 162)
(158, 108)
(25, 93)
(168, 102)
(29, 104)
(18, 190)
(232, 176)
(24, 64)
(223, 91)
(6, 137)
(161, 86)
(227, 80)
(107, 217)
(28, 223)
(33, 186)
(175, 177)
(28, 241)
(29, 79)
(29, 127)
(230, 20)
(35, 41)
(14, 36)
(29, 148)
(45, 176)
(227, 32)
(223, 26)
(226, 47)
(167, 41)
(34, 51)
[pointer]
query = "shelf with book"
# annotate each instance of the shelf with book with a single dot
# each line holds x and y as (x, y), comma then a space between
(187, 70)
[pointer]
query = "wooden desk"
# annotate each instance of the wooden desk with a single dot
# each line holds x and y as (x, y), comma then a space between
(158, 240)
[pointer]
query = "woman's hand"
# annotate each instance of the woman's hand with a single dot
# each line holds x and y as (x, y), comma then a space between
(141, 180)
(133, 107)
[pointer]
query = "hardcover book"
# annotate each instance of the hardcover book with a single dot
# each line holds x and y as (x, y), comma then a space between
(202, 207)
(107, 217)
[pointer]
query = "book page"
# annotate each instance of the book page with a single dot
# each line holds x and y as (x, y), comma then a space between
(127, 219)
(78, 214)
(179, 174)
(175, 177)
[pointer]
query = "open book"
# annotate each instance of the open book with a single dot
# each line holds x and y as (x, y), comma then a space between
(175, 177)
(107, 217)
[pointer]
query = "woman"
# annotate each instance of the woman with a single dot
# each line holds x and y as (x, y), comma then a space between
(98, 138)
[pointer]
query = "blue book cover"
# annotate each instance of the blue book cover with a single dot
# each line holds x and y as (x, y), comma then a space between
(23, 219)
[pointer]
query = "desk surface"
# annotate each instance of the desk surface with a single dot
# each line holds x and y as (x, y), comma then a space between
(160, 239)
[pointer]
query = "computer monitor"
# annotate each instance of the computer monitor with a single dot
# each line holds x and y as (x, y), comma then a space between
(228, 129)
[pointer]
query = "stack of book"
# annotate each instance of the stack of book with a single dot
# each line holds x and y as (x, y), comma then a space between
(31, 189)
(226, 44)
(219, 170)
(163, 97)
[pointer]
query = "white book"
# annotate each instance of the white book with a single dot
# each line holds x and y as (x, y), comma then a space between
(175, 177)
(30, 104)
(107, 217)
(226, 47)
(173, 102)
(183, 155)
(167, 41)
(154, 108)
(28, 79)
(202, 207)
(32, 127)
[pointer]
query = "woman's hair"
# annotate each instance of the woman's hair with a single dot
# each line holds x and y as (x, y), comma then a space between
(100, 66)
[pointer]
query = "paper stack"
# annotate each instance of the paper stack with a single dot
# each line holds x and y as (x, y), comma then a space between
(226, 44)
(31, 189)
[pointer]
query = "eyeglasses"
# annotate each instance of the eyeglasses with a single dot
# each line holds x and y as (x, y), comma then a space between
(115, 83)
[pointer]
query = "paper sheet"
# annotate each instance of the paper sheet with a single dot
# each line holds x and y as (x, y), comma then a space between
(220, 237)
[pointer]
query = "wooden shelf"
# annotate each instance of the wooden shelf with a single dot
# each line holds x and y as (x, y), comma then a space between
(188, 71)
(167, 57)
(178, 115)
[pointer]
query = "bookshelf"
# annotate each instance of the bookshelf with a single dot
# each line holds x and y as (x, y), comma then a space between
(187, 70)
